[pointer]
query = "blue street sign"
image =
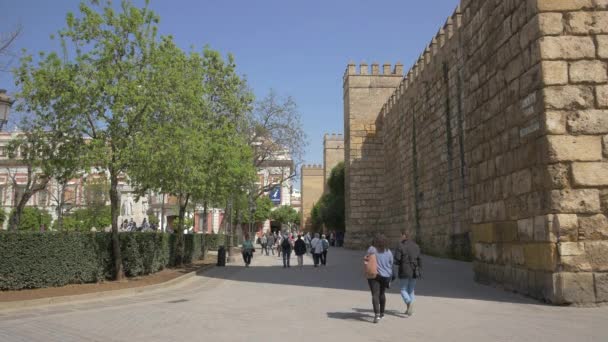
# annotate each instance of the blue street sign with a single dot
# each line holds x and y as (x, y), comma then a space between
(275, 195)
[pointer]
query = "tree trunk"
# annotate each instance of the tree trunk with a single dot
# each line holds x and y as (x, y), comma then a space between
(162, 214)
(60, 204)
(205, 219)
(114, 209)
(179, 244)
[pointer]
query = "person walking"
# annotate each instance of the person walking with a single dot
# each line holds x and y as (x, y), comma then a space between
(307, 241)
(264, 243)
(325, 245)
(317, 249)
(300, 249)
(286, 249)
(279, 241)
(407, 258)
(270, 244)
(248, 250)
(379, 284)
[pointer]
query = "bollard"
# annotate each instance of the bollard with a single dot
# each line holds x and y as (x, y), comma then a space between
(221, 256)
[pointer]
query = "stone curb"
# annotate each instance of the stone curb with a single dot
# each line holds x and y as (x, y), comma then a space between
(10, 306)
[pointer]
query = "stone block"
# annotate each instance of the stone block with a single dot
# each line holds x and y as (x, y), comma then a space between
(600, 4)
(555, 72)
(555, 122)
(540, 256)
(567, 47)
(588, 71)
(551, 23)
(574, 148)
(522, 182)
(575, 263)
(563, 5)
(574, 288)
(569, 97)
(601, 286)
(594, 227)
(601, 95)
(517, 254)
(590, 174)
(571, 248)
(525, 229)
(544, 229)
(597, 254)
(521, 280)
(594, 22)
(593, 121)
(567, 226)
(557, 176)
(574, 201)
(506, 231)
(483, 233)
(602, 46)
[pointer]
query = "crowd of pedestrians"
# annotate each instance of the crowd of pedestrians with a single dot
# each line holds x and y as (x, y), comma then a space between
(131, 226)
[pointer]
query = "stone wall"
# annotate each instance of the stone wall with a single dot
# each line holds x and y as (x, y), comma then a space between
(491, 146)
(312, 189)
(364, 95)
(333, 154)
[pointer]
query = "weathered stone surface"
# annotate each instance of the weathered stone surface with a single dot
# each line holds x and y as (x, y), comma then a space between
(597, 254)
(544, 229)
(590, 174)
(601, 95)
(594, 227)
(574, 288)
(575, 201)
(567, 226)
(551, 23)
(569, 97)
(522, 182)
(563, 5)
(566, 47)
(571, 248)
(555, 72)
(602, 46)
(555, 122)
(605, 145)
(593, 121)
(575, 263)
(587, 22)
(525, 229)
(601, 286)
(588, 71)
(600, 4)
(557, 176)
(541, 256)
(574, 148)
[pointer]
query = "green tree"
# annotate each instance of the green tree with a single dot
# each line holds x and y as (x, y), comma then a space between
(330, 208)
(204, 157)
(32, 219)
(285, 214)
(102, 87)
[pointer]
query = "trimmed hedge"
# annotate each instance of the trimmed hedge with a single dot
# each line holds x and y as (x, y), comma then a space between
(34, 260)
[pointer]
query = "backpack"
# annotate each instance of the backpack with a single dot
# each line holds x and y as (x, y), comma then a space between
(370, 266)
(325, 245)
(285, 244)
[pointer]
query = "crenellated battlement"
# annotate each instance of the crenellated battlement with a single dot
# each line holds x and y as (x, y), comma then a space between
(364, 69)
(333, 137)
(312, 166)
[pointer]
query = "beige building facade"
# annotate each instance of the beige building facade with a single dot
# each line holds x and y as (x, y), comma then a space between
(333, 154)
(492, 147)
(311, 182)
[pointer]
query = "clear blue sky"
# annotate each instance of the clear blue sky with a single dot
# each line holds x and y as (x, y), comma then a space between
(298, 48)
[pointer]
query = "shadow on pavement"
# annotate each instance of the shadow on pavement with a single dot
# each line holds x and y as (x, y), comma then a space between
(442, 277)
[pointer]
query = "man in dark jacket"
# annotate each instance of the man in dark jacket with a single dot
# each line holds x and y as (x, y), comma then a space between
(407, 257)
(300, 249)
(286, 247)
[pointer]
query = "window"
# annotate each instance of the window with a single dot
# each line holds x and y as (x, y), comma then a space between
(69, 195)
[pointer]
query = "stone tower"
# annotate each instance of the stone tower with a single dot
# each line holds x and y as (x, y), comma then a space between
(365, 93)
(333, 154)
(312, 190)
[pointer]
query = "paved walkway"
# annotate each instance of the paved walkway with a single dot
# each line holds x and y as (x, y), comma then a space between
(269, 303)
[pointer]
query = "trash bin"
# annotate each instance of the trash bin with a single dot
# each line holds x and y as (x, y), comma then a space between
(221, 256)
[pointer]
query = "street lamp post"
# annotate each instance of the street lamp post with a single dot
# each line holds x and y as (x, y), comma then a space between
(5, 107)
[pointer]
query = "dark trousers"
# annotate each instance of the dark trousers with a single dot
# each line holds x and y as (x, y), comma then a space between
(247, 257)
(316, 257)
(286, 257)
(264, 248)
(324, 258)
(378, 287)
